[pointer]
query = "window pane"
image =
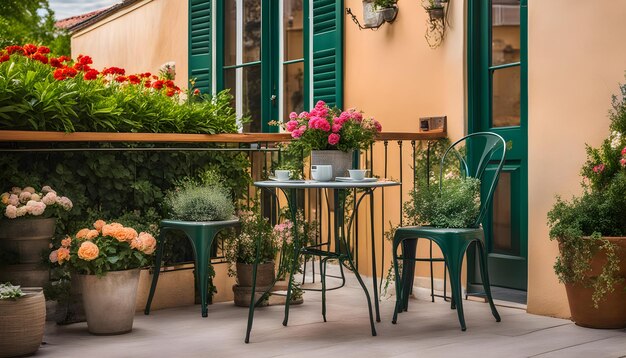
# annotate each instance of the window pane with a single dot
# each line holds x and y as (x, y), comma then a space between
(246, 83)
(251, 30)
(230, 32)
(293, 90)
(292, 26)
(505, 106)
(505, 31)
(230, 81)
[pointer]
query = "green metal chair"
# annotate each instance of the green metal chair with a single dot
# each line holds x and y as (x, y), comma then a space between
(201, 235)
(490, 148)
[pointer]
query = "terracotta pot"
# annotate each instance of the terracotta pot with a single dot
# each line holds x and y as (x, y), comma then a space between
(341, 161)
(22, 324)
(264, 274)
(611, 312)
(109, 301)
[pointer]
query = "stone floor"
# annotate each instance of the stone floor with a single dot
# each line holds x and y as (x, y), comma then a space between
(426, 330)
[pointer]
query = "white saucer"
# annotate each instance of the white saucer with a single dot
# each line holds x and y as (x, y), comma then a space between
(285, 181)
(364, 180)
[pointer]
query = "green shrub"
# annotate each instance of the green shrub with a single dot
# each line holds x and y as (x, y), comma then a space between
(201, 203)
(456, 205)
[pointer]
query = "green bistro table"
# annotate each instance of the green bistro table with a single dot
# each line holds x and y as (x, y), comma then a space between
(201, 234)
(341, 250)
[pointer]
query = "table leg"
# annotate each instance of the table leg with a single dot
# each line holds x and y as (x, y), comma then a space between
(252, 294)
(291, 195)
(156, 270)
(374, 278)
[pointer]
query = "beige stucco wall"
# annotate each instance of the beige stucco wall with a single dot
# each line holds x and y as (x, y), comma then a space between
(140, 38)
(575, 64)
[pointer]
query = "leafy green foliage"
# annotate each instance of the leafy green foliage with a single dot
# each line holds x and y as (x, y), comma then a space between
(10, 292)
(31, 21)
(32, 99)
(456, 205)
(581, 224)
(383, 4)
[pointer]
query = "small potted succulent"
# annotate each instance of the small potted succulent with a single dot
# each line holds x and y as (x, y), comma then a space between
(23, 313)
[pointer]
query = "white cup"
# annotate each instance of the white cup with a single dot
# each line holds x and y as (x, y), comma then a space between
(322, 172)
(282, 175)
(357, 174)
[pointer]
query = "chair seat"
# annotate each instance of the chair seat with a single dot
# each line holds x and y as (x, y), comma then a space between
(181, 223)
(427, 231)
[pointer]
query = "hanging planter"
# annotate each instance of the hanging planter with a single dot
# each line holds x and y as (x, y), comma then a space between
(436, 13)
(388, 13)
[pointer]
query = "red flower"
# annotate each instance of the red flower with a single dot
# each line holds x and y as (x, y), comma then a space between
(15, 49)
(43, 50)
(4, 58)
(91, 74)
(196, 92)
(121, 79)
(70, 72)
(84, 60)
(170, 92)
(169, 84)
(54, 62)
(148, 84)
(134, 79)
(81, 67)
(114, 71)
(145, 75)
(59, 74)
(64, 59)
(158, 84)
(30, 49)
(40, 57)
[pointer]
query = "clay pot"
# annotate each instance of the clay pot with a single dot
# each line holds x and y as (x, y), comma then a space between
(109, 301)
(264, 274)
(611, 312)
(22, 324)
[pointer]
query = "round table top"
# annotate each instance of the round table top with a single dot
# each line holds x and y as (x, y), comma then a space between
(307, 184)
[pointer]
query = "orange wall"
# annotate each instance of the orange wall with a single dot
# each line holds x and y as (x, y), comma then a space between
(139, 39)
(576, 61)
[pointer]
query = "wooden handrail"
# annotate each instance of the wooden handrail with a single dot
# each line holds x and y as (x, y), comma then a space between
(105, 137)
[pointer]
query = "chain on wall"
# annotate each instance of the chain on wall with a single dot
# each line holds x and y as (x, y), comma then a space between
(436, 22)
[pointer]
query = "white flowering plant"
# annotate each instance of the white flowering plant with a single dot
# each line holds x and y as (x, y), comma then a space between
(29, 202)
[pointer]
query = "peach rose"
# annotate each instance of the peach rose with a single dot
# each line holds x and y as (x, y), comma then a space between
(125, 234)
(82, 233)
(66, 242)
(63, 254)
(109, 229)
(148, 243)
(88, 251)
(53, 256)
(5, 198)
(99, 224)
(92, 234)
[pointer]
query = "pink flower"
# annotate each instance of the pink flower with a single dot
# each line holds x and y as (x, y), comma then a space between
(47, 189)
(333, 139)
(50, 198)
(25, 196)
(336, 127)
(323, 125)
(10, 212)
(379, 127)
(622, 162)
(598, 168)
(624, 151)
(291, 125)
(304, 115)
(14, 199)
(293, 115)
(297, 133)
(53, 256)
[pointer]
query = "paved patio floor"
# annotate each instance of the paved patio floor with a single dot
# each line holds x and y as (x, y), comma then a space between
(426, 330)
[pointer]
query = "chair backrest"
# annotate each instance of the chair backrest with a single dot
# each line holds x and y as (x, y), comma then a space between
(487, 148)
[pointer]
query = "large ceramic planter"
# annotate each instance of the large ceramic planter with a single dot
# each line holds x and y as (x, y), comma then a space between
(28, 238)
(264, 278)
(341, 161)
(22, 323)
(611, 312)
(109, 301)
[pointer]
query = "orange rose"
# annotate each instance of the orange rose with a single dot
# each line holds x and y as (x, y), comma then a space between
(92, 234)
(125, 234)
(144, 243)
(63, 254)
(110, 229)
(66, 242)
(99, 224)
(82, 234)
(88, 251)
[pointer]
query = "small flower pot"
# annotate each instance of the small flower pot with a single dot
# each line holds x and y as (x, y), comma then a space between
(341, 161)
(389, 13)
(22, 323)
(435, 13)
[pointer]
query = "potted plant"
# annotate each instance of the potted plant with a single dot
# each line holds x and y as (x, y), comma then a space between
(435, 9)
(331, 135)
(107, 259)
(27, 229)
(387, 8)
(590, 231)
(23, 313)
(239, 251)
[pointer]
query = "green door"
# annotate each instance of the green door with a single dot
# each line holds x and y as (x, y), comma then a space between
(498, 103)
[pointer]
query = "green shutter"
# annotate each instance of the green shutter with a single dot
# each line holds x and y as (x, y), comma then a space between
(200, 44)
(328, 51)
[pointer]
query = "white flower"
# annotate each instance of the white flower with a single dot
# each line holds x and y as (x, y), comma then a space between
(35, 197)
(616, 139)
(11, 212)
(50, 198)
(25, 196)
(22, 210)
(14, 199)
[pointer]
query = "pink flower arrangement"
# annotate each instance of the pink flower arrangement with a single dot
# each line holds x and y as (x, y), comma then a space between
(20, 202)
(325, 128)
(105, 247)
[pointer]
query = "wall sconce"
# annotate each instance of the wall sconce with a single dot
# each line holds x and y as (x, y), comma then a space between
(436, 24)
(376, 13)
